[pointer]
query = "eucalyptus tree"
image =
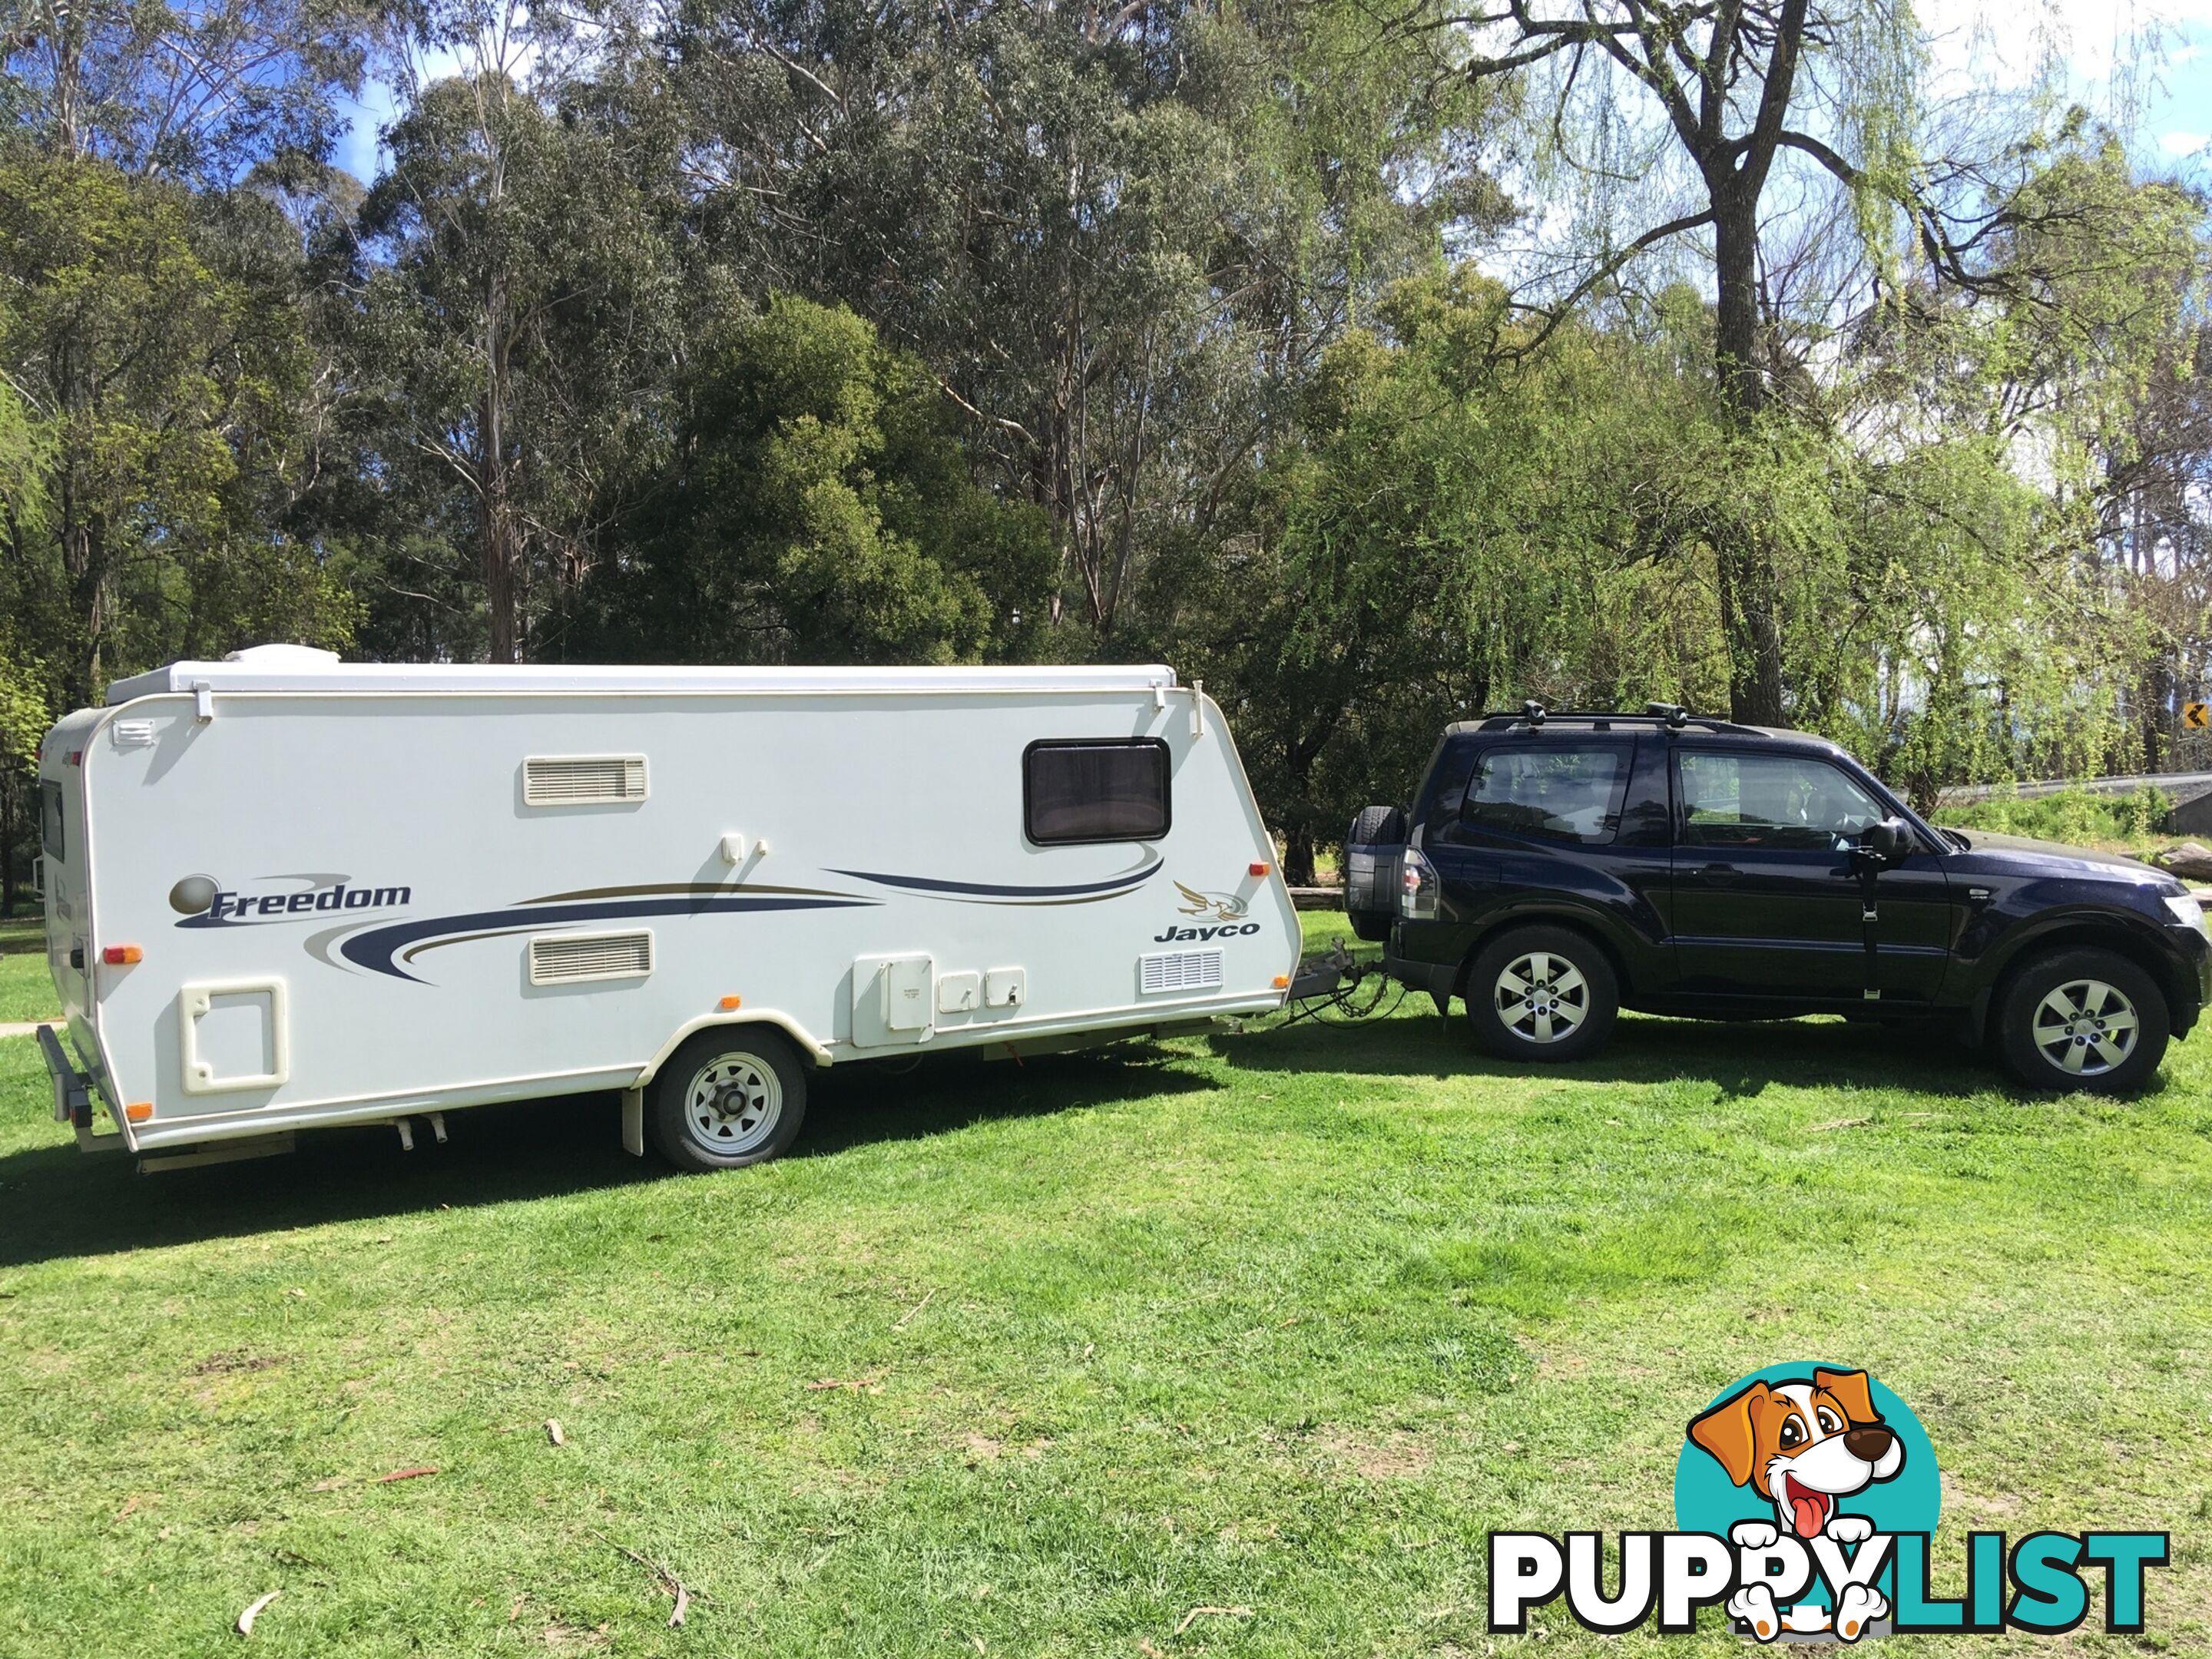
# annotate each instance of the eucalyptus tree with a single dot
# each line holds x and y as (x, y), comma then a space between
(513, 323)
(818, 506)
(1118, 234)
(205, 93)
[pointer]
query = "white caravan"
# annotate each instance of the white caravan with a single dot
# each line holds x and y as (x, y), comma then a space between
(283, 891)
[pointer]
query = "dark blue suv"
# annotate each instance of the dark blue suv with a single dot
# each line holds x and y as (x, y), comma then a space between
(1555, 868)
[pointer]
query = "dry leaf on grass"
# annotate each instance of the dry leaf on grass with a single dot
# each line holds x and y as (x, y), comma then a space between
(415, 1474)
(669, 1581)
(553, 1432)
(916, 1309)
(858, 1384)
(1197, 1613)
(246, 1619)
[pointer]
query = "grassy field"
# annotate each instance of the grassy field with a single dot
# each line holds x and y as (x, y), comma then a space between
(27, 990)
(2115, 823)
(1038, 1361)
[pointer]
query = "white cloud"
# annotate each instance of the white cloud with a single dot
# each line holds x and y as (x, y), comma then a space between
(2183, 143)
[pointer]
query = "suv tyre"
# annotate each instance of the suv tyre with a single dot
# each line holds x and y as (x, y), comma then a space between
(2083, 1019)
(1541, 994)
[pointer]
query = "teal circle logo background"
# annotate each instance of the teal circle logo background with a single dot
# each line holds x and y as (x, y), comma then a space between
(1705, 1501)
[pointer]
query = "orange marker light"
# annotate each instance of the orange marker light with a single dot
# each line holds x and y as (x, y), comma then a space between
(139, 1110)
(729, 1002)
(1259, 869)
(1282, 982)
(122, 955)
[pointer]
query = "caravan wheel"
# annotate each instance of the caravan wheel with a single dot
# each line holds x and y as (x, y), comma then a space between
(727, 1098)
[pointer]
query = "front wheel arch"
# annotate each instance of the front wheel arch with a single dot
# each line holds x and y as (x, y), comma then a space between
(2083, 933)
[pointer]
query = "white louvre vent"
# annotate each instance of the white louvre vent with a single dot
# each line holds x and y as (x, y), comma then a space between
(582, 780)
(1179, 971)
(565, 958)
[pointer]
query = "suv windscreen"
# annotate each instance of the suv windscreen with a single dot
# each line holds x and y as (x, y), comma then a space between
(1560, 792)
(1788, 803)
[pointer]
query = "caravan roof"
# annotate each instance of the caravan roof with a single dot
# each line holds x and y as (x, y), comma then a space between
(301, 668)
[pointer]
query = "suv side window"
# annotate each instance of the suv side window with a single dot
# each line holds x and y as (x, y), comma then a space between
(1564, 792)
(1790, 803)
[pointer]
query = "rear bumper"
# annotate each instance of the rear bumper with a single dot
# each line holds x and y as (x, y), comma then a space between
(72, 1089)
(1436, 978)
(73, 1096)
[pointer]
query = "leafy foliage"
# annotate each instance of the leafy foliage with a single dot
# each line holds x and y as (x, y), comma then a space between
(1378, 369)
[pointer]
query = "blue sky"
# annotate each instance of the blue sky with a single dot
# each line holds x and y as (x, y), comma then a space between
(2177, 117)
(1979, 42)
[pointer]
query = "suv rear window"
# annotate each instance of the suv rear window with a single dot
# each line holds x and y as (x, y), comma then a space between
(1094, 790)
(1560, 792)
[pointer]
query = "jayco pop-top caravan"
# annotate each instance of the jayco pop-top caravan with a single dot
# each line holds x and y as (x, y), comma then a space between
(283, 891)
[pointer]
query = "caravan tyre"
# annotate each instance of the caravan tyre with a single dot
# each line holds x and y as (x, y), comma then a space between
(730, 1096)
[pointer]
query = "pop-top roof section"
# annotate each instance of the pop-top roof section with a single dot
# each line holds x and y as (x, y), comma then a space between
(302, 668)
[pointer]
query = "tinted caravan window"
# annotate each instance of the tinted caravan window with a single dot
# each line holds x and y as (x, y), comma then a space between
(1089, 790)
(50, 839)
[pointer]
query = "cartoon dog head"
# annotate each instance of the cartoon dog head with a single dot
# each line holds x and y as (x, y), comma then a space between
(1803, 1445)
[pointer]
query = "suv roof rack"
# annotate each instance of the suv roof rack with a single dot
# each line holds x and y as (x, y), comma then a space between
(1673, 716)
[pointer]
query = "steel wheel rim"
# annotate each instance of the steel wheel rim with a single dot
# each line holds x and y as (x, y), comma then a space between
(2084, 1027)
(732, 1104)
(1541, 997)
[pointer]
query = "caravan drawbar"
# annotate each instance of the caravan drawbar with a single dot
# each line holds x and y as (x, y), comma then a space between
(283, 891)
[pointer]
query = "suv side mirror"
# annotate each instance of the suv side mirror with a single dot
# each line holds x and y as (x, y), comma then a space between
(1885, 840)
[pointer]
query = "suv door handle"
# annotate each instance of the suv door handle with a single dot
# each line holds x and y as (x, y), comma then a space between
(1717, 872)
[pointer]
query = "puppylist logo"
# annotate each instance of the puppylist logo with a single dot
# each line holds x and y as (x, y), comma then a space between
(1805, 1500)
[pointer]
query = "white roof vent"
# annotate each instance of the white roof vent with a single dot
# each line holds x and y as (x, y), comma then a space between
(283, 656)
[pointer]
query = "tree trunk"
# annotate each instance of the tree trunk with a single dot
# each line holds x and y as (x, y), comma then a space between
(1297, 834)
(7, 848)
(1750, 596)
(497, 534)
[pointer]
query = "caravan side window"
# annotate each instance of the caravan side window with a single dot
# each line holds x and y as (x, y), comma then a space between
(1095, 789)
(51, 841)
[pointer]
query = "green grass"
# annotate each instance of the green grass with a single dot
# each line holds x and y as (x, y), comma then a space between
(27, 990)
(1034, 1360)
(2119, 824)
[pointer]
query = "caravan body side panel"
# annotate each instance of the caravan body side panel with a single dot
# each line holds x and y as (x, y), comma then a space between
(356, 904)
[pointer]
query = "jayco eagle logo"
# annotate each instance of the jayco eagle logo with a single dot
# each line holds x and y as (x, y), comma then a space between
(1223, 917)
(1806, 1499)
(203, 901)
